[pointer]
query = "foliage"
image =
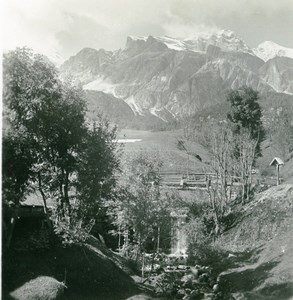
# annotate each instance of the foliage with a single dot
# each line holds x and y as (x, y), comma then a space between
(280, 127)
(234, 145)
(58, 150)
(98, 162)
(17, 161)
(245, 113)
(141, 213)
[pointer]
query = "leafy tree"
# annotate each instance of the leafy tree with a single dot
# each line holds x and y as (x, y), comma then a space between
(28, 82)
(280, 127)
(245, 113)
(49, 116)
(141, 208)
(98, 164)
(17, 162)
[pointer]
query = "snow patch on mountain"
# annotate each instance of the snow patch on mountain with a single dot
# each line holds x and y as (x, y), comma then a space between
(133, 105)
(174, 44)
(154, 111)
(138, 38)
(268, 50)
(227, 40)
(199, 42)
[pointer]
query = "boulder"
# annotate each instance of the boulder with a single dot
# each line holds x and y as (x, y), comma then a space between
(40, 288)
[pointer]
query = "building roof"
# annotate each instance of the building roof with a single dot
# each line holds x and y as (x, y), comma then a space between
(276, 161)
(35, 199)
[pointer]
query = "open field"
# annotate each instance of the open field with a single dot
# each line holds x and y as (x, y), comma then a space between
(163, 145)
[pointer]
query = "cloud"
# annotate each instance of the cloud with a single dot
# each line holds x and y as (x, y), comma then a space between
(187, 31)
(69, 25)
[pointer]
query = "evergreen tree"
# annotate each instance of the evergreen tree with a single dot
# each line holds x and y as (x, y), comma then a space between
(245, 114)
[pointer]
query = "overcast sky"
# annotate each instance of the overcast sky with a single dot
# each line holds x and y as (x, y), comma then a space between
(66, 26)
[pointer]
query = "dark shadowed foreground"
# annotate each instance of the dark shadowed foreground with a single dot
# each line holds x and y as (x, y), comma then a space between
(89, 272)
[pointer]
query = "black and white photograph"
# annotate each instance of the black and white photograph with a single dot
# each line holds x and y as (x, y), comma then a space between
(147, 150)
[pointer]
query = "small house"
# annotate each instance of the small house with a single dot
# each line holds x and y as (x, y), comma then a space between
(277, 162)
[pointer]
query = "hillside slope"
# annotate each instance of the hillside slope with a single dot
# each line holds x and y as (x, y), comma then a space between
(265, 230)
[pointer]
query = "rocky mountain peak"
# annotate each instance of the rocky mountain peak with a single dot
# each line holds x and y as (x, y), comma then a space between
(226, 40)
(268, 50)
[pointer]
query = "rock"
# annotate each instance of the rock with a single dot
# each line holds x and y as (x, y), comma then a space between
(41, 288)
(196, 295)
(215, 287)
(187, 278)
(203, 278)
(195, 272)
(181, 267)
(195, 283)
(180, 294)
(209, 296)
(187, 285)
(140, 297)
(231, 255)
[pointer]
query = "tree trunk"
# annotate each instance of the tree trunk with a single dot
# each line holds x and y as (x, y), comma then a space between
(11, 226)
(153, 256)
(158, 240)
(45, 204)
(119, 238)
(143, 264)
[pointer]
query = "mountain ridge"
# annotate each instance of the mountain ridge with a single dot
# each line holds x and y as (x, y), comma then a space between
(172, 78)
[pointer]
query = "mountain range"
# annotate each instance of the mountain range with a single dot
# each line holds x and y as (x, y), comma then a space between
(159, 79)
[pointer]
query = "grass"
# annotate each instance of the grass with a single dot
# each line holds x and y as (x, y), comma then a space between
(266, 231)
(269, 151)
(164, 145)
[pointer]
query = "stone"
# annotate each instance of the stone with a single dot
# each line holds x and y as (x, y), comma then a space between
(196, 295)
(140, 297)
(195, 272)
(186, 278)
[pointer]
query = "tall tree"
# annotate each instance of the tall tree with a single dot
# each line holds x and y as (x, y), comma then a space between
(279, 126)
(49, 115)
(141, 206)
(245, 113)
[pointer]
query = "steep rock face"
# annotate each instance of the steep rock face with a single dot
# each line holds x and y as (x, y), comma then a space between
(86, 64)
(170, 78)
(278, 73)
(224, 39)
